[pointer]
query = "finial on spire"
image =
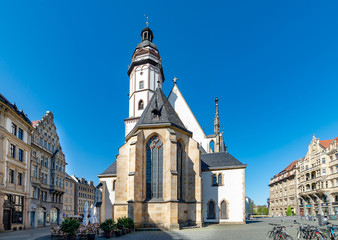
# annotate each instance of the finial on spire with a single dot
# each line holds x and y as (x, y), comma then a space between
(175, 80)
(147, 22)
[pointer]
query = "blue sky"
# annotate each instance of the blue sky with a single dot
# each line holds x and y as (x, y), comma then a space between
(272, 64)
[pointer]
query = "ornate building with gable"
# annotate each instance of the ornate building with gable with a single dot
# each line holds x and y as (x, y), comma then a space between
(169, 173)
(47, 174)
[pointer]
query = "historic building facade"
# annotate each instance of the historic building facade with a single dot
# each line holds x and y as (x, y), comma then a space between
(69, 198)
(15, 149)
(84, 192)
(318, 178)
(164, 174)
(283, 191)
(47, 174)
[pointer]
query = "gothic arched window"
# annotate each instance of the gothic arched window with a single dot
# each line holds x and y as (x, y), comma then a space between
(140, 105)
(154, 168)
(214, 180)
(179, 170)
(211, 210)
(220, 182)
(224, 210)
(212, 146)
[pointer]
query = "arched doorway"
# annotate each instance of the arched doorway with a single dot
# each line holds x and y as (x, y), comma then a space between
(211, 210)
(54, 216)
(41, 216)
(224, 210)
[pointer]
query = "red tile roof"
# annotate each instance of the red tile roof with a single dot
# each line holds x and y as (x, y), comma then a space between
(326, 143)
(288, 168)
(34, 123)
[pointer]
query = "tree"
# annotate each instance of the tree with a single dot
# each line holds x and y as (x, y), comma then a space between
(288, 211)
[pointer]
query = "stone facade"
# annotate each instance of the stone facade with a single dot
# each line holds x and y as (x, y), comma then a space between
(84, 192)
(15, 150)
(283, 191)
(47, 174)
(318, 178)
(69, 199)
(168, 211)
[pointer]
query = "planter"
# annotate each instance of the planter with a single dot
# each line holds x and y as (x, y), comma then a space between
(118, 233)
(91, 236)
(124, 231)
(107, 234)
(71, 237)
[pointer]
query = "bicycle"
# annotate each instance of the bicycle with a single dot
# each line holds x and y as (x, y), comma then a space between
(304, 231)
(278, 233)
(330, 232)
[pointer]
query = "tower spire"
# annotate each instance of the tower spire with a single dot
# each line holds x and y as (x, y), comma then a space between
(217, 127)
(216, 122)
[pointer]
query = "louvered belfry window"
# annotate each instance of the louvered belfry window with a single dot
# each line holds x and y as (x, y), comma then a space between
(154, 168)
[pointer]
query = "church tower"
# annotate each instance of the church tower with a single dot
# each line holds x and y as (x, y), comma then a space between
(145, 75)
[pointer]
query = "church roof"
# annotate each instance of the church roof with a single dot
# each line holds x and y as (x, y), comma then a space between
(111, 170)
(159, 112)
(223, 160)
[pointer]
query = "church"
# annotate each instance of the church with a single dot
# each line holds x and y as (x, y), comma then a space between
(169, 173)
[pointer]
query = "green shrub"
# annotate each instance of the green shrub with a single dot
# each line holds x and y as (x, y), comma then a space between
(70, 226)
(108, 225)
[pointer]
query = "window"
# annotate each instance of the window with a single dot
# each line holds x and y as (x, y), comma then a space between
(212, 146)
(13, 151)
(324, 171)
(154, 168)
(42, 160)
(179, 170)
(46, 162)
(214, 180)
(35, 171)
(34, 192)
(41, 141)
(70, 184)
(220, 182)
(114, 182)
(141, 85)
(323, 160)
(224, 210)
(21, 155)
(66, 185)
(20, 134)
(45, 197)
(20, 178)
(14, 127)
(140, 105)
(211, 210)
(11, 176)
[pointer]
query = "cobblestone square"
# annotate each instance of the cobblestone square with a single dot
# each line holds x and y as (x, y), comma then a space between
(253, 230)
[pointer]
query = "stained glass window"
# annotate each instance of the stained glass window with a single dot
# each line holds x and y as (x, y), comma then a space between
(154, 168)
(179, 170)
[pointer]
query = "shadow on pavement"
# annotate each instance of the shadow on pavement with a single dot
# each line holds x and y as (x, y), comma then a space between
(252, 221)
(139, 235)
